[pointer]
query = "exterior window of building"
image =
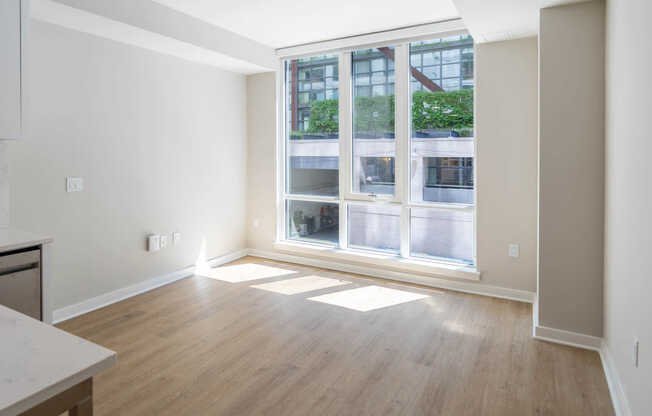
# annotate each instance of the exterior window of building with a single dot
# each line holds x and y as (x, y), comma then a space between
(374, 147)
(356, 189)
(375, 227)
(313, 221)
(312, 149)
(442, 150)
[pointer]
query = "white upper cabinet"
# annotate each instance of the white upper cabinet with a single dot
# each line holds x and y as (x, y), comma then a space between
(13, 15)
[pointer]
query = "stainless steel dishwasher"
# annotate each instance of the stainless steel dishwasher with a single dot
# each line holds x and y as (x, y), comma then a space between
(20, 281)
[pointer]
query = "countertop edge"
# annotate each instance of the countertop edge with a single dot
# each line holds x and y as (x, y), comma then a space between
(28, 402)
(25, 244)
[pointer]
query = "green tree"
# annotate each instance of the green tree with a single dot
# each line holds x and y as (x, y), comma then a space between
(323, 117)
(442, 109)
(430, 110)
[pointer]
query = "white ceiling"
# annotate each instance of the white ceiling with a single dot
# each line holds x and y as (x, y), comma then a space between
(496, 20)
(282, 23)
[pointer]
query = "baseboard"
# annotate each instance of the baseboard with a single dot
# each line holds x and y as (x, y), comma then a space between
(459, 286)
(573, 339)
(618, 398)
(68, 312)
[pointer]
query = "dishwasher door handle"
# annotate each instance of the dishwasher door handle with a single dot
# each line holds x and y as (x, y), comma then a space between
(17, 269)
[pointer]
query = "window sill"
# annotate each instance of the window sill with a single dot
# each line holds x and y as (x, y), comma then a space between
(428, 268)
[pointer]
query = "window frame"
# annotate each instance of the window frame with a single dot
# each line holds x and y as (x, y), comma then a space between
(402, 195)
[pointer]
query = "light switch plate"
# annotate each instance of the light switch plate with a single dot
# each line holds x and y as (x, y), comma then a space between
(153, 242)
(176, 238)
(514, 251)
(74, 184)
(164, 241)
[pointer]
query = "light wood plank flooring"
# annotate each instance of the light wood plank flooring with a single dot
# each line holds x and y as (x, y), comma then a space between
(205, 346)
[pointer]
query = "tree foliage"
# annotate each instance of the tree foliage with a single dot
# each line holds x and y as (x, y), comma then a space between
(430, 110)
(374, 114)
(442, 109)
(323, 117)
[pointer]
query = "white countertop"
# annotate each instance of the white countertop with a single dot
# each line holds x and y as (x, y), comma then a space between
(13, 239)
(39, 361)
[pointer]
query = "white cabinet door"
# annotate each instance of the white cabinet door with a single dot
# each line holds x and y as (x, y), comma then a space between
(10, 69)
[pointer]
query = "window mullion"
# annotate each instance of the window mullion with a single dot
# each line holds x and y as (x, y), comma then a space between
(345, 141)
(281, 155)
(402, 126)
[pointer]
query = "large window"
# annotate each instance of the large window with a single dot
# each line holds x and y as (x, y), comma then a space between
(374, 145)
(379, 150)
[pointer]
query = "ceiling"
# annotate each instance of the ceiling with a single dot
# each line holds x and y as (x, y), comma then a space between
(282, 23)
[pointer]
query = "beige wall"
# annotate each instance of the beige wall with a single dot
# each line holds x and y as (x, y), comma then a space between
(628, 241)
(506, 119)
(507, 164)
(571, 200)
(160, 143)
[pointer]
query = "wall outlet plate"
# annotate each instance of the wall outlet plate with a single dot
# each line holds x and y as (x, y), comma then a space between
(514, 251)
(74, 184)
(164, 241)
(153, 242)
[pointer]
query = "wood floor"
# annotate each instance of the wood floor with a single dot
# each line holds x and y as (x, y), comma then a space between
(205, 346)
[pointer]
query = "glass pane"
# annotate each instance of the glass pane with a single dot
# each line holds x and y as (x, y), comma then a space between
(374, 147)
(312, 129)
(442, 144)
(448, 179)
(378, 90)
(447, 71)
(451, 55)
(361, 66)
(313, 221)
(378, 78)
(450, 84)
(432, 72)
(375, 227)
(444, 234)
(378, 64)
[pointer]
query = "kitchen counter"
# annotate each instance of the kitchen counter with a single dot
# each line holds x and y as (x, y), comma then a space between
(14, 239)
(42, 364)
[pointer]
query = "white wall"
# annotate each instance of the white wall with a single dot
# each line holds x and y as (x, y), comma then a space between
(507, 164)
(628, 231)
(4, 184)
(261, 162)
(571, 198)
(160, 143)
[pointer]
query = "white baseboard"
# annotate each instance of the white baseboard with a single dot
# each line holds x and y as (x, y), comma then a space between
(459, 286)
(618, 398)
(68, 312)
(573, 339)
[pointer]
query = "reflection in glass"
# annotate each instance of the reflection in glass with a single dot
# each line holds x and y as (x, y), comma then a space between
(375, 227)
(313, 221)
(446, 234)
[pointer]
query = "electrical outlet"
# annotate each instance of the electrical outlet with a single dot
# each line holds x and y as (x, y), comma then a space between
(153, 242)
(176, 238)
(514, 251)
(164, 241)
(636, 349)
(74, 184)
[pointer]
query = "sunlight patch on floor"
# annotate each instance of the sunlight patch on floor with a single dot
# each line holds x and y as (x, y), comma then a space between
(243, 272)
(301, 285)
(368, 298)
